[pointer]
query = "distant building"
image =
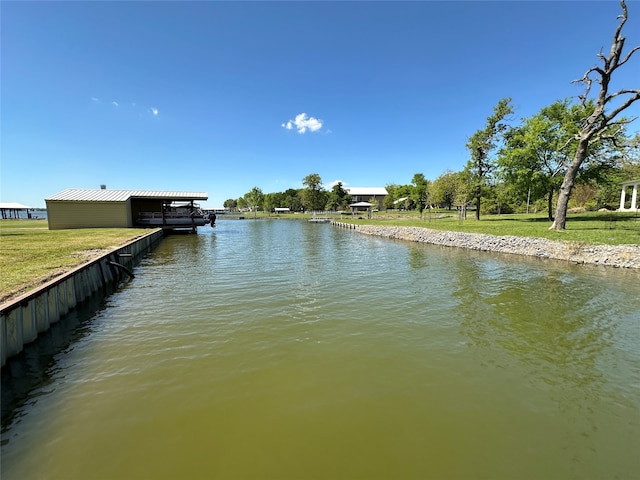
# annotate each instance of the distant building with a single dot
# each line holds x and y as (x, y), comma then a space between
(97, 208)
(13, 209)
(366, 194)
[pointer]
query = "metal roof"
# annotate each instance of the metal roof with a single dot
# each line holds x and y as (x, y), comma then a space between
(366, 191)
(105, 195)
(13, 206)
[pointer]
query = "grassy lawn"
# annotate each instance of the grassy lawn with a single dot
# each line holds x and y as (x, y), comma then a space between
(609, 228)
(613, 228)
(30, 254)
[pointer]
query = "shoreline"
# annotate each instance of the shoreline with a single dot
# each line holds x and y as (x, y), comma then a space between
(617, 256)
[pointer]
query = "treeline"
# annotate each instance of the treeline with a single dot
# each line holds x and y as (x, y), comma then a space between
(514, 167)
(519, 167)
(566, 154)
(313, 197)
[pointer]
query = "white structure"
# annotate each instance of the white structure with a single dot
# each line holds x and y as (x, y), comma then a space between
(634, 196)
(364, 194)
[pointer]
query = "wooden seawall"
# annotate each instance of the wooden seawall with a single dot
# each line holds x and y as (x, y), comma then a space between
(24, 318)
(350, 226)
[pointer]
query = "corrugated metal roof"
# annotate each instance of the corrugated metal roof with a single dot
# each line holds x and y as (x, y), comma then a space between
(366, 190)
(13, 206)
(105, 195)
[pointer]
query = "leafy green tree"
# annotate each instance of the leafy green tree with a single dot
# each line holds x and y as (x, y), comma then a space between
(270, 201)
(396, 192)
(254, 199)
(388, 201)
(231, 204)
(443, 189)
(607, 108)
(481, 145)
(536, 153)
(242, 203)
(420, 191)
(338, 198)
(392, 196)
(314, 197)
(292, 199)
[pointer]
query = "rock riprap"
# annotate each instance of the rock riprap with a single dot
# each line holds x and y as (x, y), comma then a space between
(621, 256)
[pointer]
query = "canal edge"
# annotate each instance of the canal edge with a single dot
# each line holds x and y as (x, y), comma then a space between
(616, 256)
(24, 318)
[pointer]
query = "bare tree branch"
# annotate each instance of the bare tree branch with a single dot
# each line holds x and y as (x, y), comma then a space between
(614, 113)
(626, 59)
(597, 126)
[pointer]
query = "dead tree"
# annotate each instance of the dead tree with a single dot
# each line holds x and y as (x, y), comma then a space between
(598, 126)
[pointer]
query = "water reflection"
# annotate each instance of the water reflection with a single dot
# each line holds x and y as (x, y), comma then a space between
(29, 375)
(561, 328)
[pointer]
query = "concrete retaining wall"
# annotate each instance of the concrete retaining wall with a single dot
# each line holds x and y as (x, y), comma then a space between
(24, 318)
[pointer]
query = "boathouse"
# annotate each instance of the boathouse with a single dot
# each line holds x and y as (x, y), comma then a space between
(13, 210)
(101, 208)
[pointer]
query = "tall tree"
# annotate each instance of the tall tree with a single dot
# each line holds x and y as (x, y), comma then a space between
(481, 145)
(608, 106)
(270, 201)
(420, 191)
(536, 153)
(338, 198)
(254, 199)
(314, 198)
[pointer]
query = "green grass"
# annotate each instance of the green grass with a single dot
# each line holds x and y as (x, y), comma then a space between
(612, 228)
(30, 254)
(609, 228)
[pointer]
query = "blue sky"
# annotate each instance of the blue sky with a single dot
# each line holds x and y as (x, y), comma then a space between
(224, 96)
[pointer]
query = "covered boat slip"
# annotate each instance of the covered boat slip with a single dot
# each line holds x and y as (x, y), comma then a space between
(13, 210)
(86, 208)
(175, 215)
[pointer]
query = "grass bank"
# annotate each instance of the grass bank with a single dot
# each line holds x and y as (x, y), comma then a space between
(604, 228)
(31, 254)
(596, 228)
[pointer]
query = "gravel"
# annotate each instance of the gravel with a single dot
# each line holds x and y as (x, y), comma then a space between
(620, 256)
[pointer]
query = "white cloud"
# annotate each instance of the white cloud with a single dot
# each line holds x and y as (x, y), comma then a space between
(302, 123)
(335, 182)
(129, 107)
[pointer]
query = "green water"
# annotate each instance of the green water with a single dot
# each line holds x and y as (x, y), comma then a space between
(287, 350)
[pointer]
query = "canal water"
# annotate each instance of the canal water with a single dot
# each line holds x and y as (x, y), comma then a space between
(281, 349)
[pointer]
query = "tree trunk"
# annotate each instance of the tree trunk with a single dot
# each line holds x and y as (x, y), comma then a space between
(478, 197)
(550, 204)
(560, 220)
